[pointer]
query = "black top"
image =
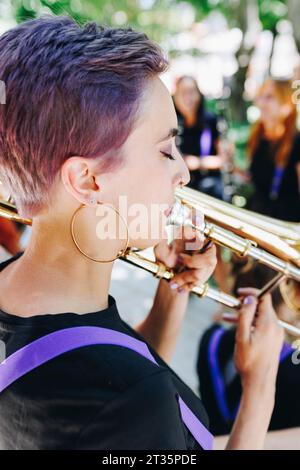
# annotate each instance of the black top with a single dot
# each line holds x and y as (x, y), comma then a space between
(287, 205)
(221, 383)
(189, 142)
(189, 138)
(95, 397)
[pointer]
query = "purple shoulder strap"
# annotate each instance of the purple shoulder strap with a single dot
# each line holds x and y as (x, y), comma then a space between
(205, 142)
(52, 345)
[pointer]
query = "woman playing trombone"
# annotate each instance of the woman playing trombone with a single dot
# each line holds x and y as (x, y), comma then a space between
(87, 121)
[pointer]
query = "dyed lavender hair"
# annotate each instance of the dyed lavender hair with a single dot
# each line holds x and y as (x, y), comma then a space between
(70, 90)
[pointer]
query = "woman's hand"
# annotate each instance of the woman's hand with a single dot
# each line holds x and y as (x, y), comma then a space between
(162, 325)
(182, 255)
(207, 162)
(259, 341)
(193, 162)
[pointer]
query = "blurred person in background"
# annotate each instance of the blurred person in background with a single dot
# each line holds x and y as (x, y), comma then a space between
(199, 141)
(198, 137)
(274, 151)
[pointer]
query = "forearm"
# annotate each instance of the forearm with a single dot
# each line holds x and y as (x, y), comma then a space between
(209, 162)
(284, 439)
(162, 325)
(252, 422)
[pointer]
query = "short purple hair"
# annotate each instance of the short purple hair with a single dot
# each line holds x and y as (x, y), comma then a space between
(70, 90)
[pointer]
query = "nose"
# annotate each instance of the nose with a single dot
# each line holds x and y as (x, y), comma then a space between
(186, 179)
(185, 174)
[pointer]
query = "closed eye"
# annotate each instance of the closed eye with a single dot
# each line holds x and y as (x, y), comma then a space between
(168, 155)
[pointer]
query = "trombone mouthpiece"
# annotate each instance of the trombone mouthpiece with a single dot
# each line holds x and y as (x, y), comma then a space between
(181, 214)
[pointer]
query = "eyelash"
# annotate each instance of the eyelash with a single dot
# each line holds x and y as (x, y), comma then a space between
(168, 155)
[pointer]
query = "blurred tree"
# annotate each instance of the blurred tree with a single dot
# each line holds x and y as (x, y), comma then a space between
(294, 17)
(270, 11)
(161, 19)
(153, 15)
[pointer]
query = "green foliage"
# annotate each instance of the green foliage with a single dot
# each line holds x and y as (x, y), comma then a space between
(153, 16)
(160, 20)
(156, 18)
(271, 11)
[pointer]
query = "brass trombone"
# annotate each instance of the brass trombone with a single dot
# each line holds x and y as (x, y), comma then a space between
(273, 243)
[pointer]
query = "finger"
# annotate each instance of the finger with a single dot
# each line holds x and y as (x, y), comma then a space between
(265, 312)
(188, 240)
(230, 317)
(187, 287)
(199, 260)
(166, 254)
(192, 240)
(178, 285)
(245, 319)
(187, 277)
(245, 291)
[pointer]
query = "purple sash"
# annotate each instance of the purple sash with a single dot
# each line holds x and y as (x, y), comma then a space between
(205, 142)
(276, 182)
(52, 345)
(216, 375)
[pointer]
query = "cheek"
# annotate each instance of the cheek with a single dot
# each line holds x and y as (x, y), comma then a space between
(273, 107)
(156, 176)
(146, 180)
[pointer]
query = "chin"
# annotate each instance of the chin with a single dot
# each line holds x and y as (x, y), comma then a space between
(153, 234)
(142, 244)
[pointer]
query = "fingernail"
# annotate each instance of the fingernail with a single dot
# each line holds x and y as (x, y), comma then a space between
(181, 290)
(173, 285)
(229, 316)
(248, 300)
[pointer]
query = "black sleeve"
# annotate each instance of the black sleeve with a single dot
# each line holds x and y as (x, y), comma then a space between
(295, 157)
(212, 122)
(146, 416)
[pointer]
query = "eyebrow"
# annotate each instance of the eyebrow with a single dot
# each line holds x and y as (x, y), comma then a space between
(172, 133)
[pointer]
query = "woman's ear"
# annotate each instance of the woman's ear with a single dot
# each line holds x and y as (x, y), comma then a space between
(78, 178)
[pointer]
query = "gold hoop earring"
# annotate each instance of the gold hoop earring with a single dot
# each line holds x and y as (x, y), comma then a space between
(120, 252)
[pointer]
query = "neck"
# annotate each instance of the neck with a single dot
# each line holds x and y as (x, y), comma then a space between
(189, 115)
(52, 276)
(274, 130)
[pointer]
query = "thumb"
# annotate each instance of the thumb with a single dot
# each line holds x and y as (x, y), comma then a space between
(245, 319)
